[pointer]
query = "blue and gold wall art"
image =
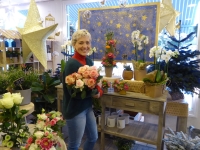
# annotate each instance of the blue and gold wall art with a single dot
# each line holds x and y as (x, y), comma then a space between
(122, 21)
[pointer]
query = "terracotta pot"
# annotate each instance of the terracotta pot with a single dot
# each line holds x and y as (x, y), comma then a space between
(139, 74)
(122, 92)
(108, 71)
(127, 75)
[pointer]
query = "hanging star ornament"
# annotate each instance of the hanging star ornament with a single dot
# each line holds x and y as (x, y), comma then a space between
(168, 17)
(34, 36)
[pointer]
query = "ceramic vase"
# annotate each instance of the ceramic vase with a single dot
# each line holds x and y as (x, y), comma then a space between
(108, 71)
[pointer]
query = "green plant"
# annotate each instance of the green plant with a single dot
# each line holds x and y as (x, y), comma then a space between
(21, 79)
(45, 88)
(13, 126)
(63, 63)
(127, 68)
(123, 144)
(3, 82)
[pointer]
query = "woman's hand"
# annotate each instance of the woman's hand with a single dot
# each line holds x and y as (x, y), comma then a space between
(96, 95)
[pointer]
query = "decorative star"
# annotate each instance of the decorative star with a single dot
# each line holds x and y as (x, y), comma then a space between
(134, 25)
(99, 24)
(168, 17)
(101, 51)
(34, 36)
(130, 15)
(111, 21)
(144, 17)
(118, 25)
(127, 35)
(88, 22)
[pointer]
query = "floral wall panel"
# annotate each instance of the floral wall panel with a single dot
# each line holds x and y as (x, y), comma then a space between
(122, 21)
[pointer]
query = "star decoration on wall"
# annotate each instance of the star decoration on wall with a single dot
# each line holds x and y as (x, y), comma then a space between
(127, 35)
(144, 17)
(168, 17)
(34, 36)
(134, 25)
(111, 21)
(130, 15)
(99, 24)
(118, 25)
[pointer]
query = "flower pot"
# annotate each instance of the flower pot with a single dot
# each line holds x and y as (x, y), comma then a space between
(139, 74)
(108, 71)
(154, 90)
(26, 94)
(122, 92)
(105, 90)
(127, 75)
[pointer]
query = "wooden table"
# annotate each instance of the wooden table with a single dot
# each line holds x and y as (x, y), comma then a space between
(59, 96)
(139, 131)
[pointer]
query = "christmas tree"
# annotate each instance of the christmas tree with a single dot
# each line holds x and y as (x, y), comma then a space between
(183, 71)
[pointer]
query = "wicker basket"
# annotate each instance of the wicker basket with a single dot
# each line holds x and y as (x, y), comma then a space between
(135, 86)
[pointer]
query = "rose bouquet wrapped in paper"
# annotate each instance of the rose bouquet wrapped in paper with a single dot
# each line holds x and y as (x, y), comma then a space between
(83, 81)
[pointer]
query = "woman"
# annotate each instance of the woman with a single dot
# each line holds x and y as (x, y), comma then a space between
(78, 112)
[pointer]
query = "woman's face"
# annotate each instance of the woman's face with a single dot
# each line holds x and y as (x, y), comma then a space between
(83, 45)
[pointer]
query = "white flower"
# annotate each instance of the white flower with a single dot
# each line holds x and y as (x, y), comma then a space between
(38, 134)
(42, 116)
(17, 99)
(7, 95)
(40, 125)
(52, 148)
(7, 102)
(68, 43)
(33, 146)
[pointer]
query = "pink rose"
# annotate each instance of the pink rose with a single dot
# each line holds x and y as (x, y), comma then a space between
(52, 122)
(93, 68)
(69, 80)
(79, 76)
(85, 81)
(30, 139)
(110, 55)
(91, 83)
(94, 74)
(82, 69)
(79, 84)
(86, 74)
(104, 58)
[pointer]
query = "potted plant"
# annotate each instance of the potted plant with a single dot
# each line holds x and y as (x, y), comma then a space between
(105, 85)
(120, 86)
(20, 80)
(139, 63)
(155, 81)
(123, 144)
(127, 72)
(14, 130)
(108, 60)
(44, 92)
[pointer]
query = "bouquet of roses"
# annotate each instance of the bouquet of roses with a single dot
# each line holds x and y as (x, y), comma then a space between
(82, 81)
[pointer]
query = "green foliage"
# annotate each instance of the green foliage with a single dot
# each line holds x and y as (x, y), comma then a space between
(29, 77)
(123, 144)
(184, 70)
(96, 104)
(45, 88)
(63, 63)
(3, 82)
(127, 68)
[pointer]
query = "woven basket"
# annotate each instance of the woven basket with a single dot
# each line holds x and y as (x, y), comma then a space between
(135, 86)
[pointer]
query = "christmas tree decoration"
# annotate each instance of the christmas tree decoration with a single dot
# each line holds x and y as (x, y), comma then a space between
(34, 35)
(183, 72)
(168, 17)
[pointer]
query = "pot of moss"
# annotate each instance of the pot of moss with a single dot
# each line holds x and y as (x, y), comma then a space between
(127, 73)
(123, 144)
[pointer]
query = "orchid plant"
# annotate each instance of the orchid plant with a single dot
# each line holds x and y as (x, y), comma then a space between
(160, 56)
(140, 42)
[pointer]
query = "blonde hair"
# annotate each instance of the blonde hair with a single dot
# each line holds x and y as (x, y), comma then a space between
(78, 34)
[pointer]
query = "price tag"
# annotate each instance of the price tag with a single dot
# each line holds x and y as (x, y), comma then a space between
(19, 82)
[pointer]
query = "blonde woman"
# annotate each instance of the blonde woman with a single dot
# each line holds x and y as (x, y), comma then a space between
(78, 112)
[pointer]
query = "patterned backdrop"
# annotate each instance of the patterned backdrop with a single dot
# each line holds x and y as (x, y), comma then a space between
(122, 21)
